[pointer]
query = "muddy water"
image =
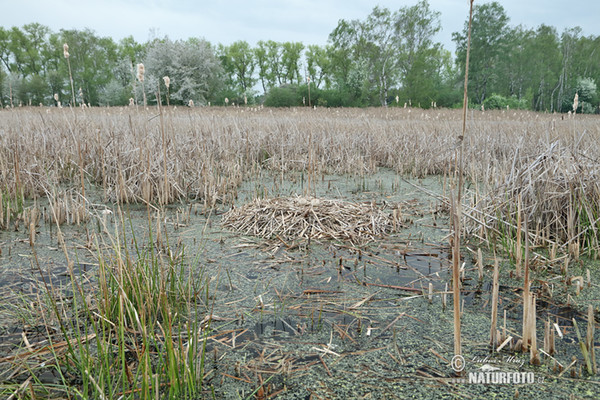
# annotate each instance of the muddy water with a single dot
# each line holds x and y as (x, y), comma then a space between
(324, 320)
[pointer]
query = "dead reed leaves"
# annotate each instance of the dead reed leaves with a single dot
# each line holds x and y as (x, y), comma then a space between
(305, 218)
(558, 193)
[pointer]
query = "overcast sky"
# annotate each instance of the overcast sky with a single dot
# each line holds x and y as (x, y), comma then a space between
(306, 21)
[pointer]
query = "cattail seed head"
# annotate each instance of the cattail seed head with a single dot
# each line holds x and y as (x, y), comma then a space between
(66, 50)
(140, 72)
(167, 81)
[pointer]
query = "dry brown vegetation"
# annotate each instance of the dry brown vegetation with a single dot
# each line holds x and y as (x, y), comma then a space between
(531, 178)
(551, 161)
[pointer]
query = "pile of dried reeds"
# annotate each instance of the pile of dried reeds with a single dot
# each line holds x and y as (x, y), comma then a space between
(556, 194)
(293, 218)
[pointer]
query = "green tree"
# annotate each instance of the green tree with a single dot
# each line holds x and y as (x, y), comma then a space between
(260, 55)
(318, 65)
(422, 62)
(239, 63)
(544, 66)
(5, 49)
(488, 47)
(566, 81)
(291, 54)
(92, 62)
(192, 66)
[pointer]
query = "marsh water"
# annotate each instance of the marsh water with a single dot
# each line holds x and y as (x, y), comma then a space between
(320, 320)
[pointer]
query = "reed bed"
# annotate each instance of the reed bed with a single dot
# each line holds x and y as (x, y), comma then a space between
(556, 193)
(304, 218)
(203, 154)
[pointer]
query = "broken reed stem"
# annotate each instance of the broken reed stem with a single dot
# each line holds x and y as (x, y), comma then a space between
(430, 294)
(457, 212)
(590, 338)
(444, 297)
(495, 288)
(534, 355)
(584, 348)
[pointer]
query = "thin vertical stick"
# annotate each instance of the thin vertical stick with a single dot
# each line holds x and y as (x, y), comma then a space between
(518, 248)
(457, 205)
(495, 288)
(526, 296)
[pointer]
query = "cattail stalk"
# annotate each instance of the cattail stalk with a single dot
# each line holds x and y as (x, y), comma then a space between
(67, 56)
(167, 81)
(140, 75)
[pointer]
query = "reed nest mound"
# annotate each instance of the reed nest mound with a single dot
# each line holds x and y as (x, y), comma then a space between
(303, 218)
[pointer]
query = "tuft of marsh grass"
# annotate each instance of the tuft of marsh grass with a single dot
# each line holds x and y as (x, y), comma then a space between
(140, 332)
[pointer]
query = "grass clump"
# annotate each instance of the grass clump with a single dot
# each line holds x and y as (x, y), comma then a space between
(138, 333)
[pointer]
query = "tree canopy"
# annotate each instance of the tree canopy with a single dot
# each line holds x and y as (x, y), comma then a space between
(388, 58)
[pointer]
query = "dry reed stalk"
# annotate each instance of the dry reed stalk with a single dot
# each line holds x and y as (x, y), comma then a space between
(165, 198)
(495, 290)
(81, 168)
(590, 338)
(456, 205)
(480, 264)
(534, 356)
(547, 330)
(444, 297)
(527, 299)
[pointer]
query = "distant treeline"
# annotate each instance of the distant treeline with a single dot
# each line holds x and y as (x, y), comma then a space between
(388, 58)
